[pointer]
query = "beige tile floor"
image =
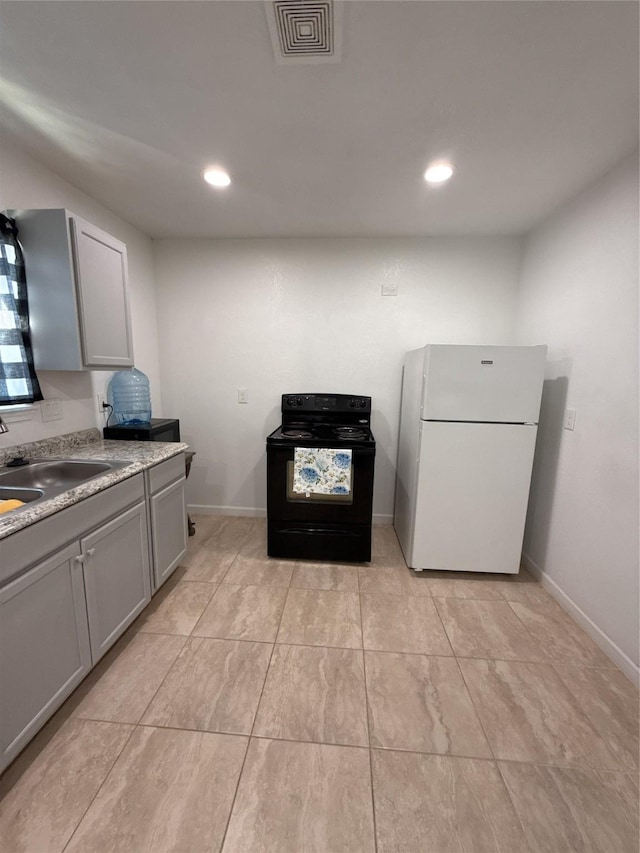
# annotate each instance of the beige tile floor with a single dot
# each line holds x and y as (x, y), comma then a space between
(282, 706)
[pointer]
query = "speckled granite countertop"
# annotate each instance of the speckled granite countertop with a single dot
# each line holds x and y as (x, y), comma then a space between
(85, 445)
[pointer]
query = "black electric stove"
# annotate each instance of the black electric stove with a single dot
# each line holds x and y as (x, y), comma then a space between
(328, 524)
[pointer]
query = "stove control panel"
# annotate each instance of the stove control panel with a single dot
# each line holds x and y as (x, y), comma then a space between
(325, 403)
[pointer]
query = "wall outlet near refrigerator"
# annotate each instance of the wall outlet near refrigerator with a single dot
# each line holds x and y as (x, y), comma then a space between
(570, 419)
(102, 402)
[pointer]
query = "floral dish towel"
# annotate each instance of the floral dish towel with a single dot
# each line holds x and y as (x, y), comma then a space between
(321, 471)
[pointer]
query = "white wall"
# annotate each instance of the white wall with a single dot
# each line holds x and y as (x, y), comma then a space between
(579, 294)
(24, 183)
(282, 316)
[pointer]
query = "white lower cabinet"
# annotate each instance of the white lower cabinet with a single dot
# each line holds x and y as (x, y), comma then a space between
(44, 646)
(115, 560)
(69, 586)
(72, 583)
(168, 530)
(165, 487)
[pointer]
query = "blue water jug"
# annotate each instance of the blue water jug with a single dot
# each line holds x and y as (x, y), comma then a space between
(129, 394)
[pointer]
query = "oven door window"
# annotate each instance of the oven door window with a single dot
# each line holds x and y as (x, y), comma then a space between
(311, 498)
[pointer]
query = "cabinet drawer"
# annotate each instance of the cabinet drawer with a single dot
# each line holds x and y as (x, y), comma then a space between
(35, 542)
(166, 472)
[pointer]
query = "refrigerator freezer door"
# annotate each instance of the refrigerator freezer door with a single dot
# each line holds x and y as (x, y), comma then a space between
(472, 494)
(485, 384)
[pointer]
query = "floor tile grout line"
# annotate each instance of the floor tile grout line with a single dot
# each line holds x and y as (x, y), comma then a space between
(207, 637)
(253, 724)
(582, 768)
(444, 627)
(257, 736)
(246, 752)
(556, 668)
(618, 794)
(144, 630)
(475, 709)
(506, 787)
(235, 794)
(574, 702)
(137, 722)
(543, 643)
(367, 721)
(266, 674)
(106, 776)
(553, 662)
(528, 633)
(166, 675)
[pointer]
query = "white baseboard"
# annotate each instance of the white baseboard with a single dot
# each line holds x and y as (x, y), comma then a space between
(607, 645)
(257, 512)
(245, 511)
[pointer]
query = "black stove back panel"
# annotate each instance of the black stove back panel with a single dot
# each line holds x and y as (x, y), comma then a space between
(326, 408)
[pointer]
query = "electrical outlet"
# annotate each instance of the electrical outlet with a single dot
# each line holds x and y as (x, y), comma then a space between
(570, 419)
(243, 395)
(51, 410)
(102, 402)
(389, 289)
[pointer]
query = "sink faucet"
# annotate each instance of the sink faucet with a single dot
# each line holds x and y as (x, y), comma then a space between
(3, 427)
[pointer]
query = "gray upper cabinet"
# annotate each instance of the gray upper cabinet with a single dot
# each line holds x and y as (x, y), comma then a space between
(78, 292)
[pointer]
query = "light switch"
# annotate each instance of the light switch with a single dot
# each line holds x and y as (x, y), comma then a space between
(243, 395)
(569, 418)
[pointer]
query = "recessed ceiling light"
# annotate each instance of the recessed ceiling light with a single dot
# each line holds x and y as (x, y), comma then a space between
(216, 177)
(437, 173)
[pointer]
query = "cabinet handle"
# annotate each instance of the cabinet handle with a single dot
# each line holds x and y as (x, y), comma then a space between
(79, 559)
(91, 552)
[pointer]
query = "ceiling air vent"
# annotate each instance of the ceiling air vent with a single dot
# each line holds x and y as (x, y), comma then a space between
(305, 31)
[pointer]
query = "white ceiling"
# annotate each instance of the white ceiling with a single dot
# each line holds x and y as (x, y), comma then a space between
(131, 100)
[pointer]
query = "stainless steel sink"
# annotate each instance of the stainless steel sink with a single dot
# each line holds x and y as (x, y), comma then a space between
(47, 478)
(11, 493)
(44, 475)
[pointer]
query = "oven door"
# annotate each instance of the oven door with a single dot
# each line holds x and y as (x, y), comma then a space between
(319, 526)
(286, 504)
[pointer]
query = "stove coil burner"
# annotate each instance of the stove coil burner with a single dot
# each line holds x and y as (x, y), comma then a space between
(296, 433)
(349, 432)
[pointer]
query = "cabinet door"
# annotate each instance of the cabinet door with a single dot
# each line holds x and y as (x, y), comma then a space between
(101, 280)
(116, 577)
(44, 643)
(168, 530)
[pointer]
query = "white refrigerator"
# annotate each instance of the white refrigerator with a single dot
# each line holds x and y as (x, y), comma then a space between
(468, 424)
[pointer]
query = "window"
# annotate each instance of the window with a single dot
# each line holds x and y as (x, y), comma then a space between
(18, 380)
